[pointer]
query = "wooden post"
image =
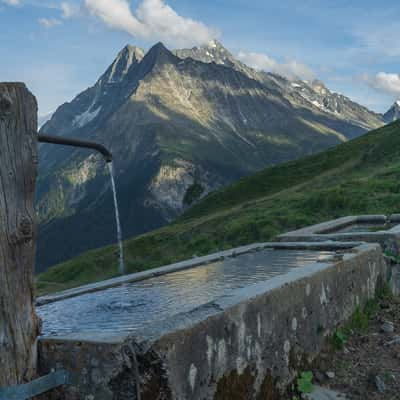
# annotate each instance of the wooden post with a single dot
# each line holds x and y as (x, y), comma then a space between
(19, 325)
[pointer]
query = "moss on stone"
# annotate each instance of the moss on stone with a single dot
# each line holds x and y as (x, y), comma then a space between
(236, 387)
(268, 390)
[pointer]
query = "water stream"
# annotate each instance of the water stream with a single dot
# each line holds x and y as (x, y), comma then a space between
(121, 267)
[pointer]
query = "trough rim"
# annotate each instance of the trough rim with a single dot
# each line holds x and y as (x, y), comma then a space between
(188, 264)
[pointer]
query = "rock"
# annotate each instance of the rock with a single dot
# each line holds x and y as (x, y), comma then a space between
(379, 384)
(395, 340)
(321, 393)
(387, 327)
(330, 375)
(319, 377)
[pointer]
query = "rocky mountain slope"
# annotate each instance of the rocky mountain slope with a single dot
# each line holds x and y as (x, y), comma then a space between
(179, 128)
(357, 177)
(313, 95)
(393, 113)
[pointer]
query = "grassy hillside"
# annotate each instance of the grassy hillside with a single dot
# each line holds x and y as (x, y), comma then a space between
(358, 177)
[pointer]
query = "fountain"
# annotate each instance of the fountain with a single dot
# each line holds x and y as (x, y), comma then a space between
(108, 158)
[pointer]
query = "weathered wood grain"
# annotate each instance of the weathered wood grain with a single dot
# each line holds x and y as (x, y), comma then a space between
(19, 325)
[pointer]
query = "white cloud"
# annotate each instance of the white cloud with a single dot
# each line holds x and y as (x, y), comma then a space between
(384, 82)
(49, 22)
(69, 10)
(11, 2)
(291, 69)
(154, 20)
(258, 61)
(294, 69)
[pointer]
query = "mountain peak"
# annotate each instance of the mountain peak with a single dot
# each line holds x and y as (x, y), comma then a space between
(158, 48)
(394, 113)
(214, 43)
(159, 52)
(319, 87)
(128, 56)
(132, 51)
(157, 55)
(213, 51)
(216, 47)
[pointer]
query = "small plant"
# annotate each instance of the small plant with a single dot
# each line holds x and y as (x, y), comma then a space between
(304, 383)
(339, 339)
(384, 292)
(394, 258)
(359, 321)
(371, 308)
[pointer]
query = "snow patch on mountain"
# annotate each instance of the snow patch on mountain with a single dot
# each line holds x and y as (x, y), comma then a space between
(88, 116)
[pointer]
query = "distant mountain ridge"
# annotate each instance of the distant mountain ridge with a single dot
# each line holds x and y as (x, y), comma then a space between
(312, 94)
(180, 125)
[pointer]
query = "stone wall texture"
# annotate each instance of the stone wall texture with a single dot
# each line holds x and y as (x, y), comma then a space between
(250, 349)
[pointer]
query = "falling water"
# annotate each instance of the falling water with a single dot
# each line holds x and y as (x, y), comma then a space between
(119, 230)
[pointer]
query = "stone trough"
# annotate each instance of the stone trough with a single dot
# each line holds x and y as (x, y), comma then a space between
(366, 228)
(234, 325)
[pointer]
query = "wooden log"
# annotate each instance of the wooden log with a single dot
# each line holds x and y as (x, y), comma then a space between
(19, 325)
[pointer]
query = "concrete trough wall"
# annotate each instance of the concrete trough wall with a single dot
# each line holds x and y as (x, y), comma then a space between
(388, 239)
(245, 346)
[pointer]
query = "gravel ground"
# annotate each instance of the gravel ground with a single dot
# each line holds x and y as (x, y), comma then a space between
(368, 365)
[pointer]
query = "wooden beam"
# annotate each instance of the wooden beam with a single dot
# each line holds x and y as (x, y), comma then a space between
(19, 325)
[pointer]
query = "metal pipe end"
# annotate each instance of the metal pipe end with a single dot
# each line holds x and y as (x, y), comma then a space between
(77, 143)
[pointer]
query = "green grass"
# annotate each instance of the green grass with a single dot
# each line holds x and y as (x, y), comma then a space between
(358, 177)
(359, 322)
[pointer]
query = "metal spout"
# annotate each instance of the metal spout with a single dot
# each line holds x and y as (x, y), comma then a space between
(77, 143)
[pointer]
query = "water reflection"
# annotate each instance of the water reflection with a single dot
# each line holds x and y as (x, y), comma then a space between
(126, 308)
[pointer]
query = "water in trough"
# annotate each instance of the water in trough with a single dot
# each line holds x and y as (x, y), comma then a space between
(127, 309)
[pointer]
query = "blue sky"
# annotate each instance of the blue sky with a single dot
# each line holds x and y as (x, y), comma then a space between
(61, 47)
